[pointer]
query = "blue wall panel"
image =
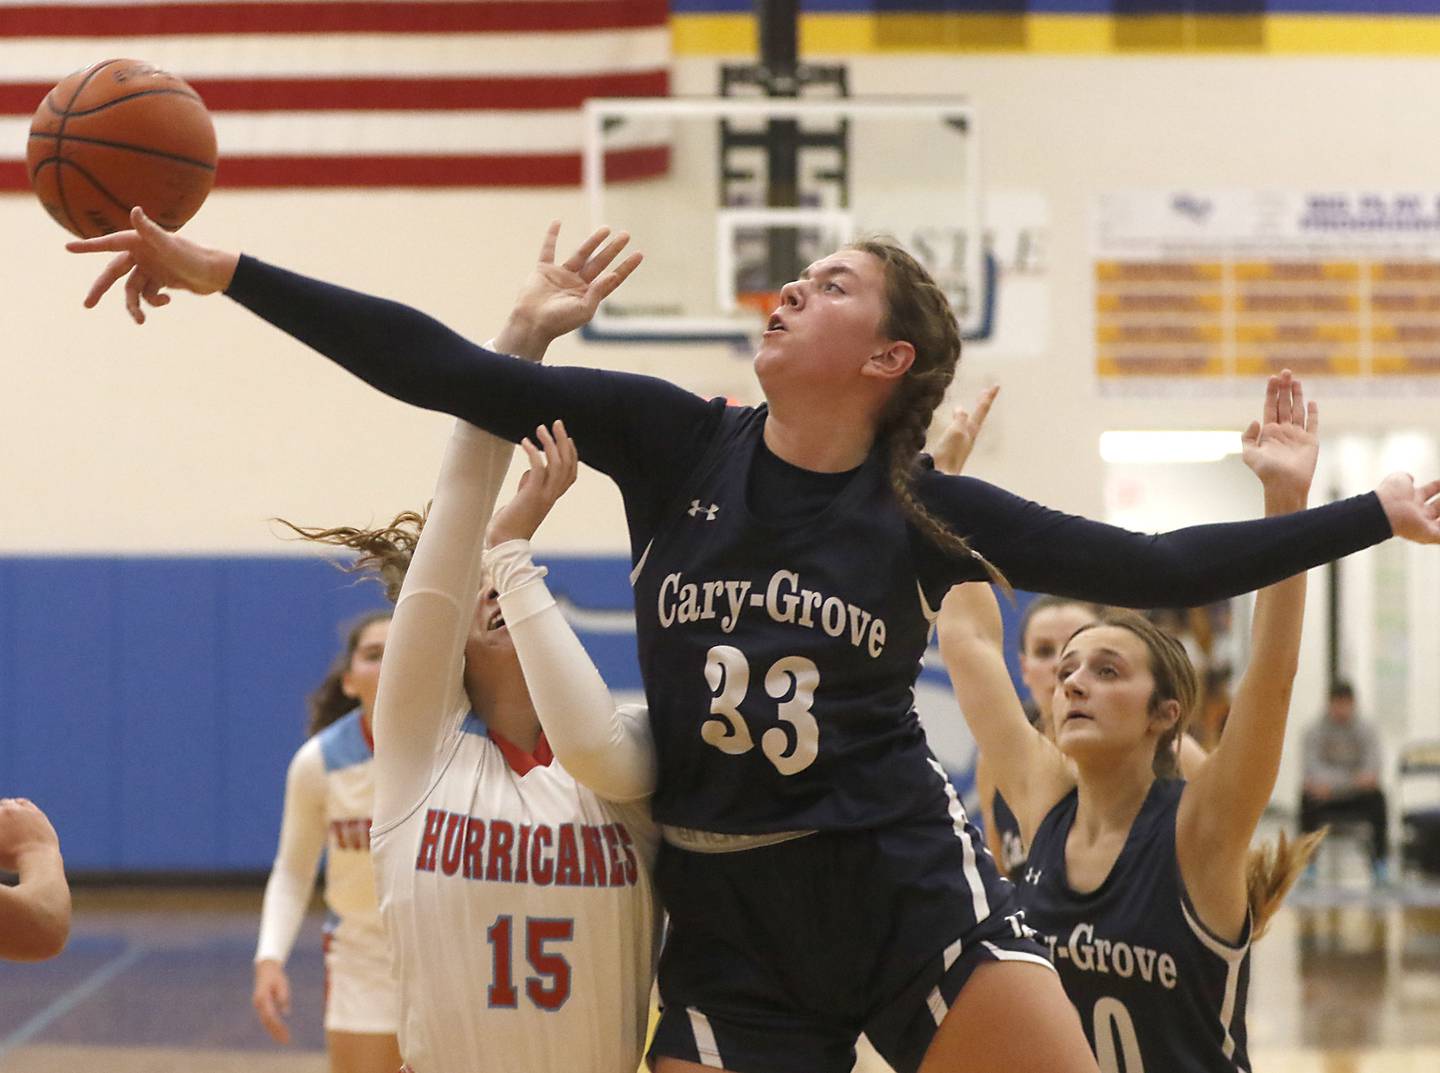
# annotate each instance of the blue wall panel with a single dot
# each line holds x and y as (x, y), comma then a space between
(172, 775)
(61, 679)
(283, 623)
(151, 706)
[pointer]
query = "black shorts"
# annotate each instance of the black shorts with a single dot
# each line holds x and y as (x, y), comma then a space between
(778, 958)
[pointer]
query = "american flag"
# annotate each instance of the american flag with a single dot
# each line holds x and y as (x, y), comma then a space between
(362, 92)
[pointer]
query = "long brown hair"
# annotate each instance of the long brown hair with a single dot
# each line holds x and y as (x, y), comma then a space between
(329, 701)
(1271, 868)
(917, 311)
(384, 554)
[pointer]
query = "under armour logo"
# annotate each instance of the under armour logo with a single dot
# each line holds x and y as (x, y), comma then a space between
(696, 510)
(1032, 875)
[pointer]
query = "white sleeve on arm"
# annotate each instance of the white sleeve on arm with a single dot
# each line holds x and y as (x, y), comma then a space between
(425, 651)
(302, 839)
(609, 750)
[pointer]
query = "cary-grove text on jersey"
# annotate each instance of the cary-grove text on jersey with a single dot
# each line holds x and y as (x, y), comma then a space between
(566, 854)
(1113, 957)
(784, 600)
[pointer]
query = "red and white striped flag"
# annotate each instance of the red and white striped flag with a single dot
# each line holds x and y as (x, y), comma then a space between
(362, 92)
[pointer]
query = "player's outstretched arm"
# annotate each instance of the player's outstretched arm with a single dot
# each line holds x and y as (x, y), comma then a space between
(1027, 768)
(35, 914)
(422, 684)
(1043, 550)
(1223, 802)
(643, 432)
(607, 749)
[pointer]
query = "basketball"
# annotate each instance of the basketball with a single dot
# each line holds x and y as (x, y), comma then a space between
(117, 134)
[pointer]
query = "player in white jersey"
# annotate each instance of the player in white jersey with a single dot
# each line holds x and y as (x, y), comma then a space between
(329, 794)
(519, 904)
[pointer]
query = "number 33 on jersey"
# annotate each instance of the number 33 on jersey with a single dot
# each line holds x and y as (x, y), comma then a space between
(779, 657)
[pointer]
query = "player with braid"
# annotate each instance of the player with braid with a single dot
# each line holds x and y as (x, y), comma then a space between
(821, 877)
(1143, 881)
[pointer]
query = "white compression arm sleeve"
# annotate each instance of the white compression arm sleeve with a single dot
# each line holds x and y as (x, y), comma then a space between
(422, 683)
(302, 839)
(609, 750)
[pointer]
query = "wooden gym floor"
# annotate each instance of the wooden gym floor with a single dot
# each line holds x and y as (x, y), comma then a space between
(1348, 981)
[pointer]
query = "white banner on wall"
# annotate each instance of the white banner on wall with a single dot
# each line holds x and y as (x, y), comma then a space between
(1198, 291)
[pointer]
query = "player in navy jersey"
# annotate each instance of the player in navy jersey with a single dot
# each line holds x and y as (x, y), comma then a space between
(1145, 887)
(1045, 626)
(821, 877)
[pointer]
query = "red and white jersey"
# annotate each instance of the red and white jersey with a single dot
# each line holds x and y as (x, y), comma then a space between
(329, 792)
(519, 904)
(520, 907)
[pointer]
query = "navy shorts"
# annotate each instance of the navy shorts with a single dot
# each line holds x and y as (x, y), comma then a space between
(777, 958)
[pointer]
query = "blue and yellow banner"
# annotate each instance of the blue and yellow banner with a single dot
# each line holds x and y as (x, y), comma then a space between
(1123, 27)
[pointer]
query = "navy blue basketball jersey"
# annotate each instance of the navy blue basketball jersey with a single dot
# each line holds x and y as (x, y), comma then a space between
(1155, 989)
(779, 659)
(1007, 831)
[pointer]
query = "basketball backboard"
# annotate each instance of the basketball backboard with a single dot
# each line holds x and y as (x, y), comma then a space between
(754, 189)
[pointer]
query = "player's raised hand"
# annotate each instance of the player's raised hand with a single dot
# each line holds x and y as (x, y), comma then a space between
(1413, 512)
(272, 998)
(559, 297)
(953, 448)
(1283, 446)
(151, 259)
(970, 614)
(553, 466)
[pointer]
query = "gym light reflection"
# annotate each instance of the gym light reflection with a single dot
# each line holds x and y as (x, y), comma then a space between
(1156, 447)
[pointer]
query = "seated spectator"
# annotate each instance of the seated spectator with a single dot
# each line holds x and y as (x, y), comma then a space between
(34, 914)
(1342, 774)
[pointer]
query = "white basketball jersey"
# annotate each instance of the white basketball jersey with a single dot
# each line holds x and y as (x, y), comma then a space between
(521, 915)
(349, 759)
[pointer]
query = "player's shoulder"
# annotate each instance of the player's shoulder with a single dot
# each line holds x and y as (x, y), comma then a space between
(344, 743)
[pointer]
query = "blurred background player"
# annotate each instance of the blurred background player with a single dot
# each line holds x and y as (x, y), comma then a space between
(35, 913)
(329, 797)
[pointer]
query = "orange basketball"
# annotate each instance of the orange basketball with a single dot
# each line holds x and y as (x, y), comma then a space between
(118, 134)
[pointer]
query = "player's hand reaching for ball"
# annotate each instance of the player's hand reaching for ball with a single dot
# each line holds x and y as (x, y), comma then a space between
(558, 298)
(550, 474)
(152, 259)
